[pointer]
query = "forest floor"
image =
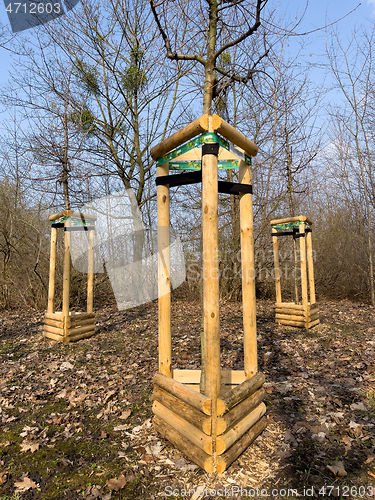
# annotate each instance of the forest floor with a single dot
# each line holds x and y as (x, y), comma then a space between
(75, 418)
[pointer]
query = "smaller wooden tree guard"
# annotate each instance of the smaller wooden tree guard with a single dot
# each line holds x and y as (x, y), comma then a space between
(306, 314)
(67, 326)
(214, 428)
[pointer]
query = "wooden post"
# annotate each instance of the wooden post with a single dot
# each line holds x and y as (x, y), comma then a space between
(248, 275)
(276, 265)
(66, 274)
(310, 263)
(164, 268)
(211, 275)
(52, 271)
(302, 243)
(211, 320)
(90, 273)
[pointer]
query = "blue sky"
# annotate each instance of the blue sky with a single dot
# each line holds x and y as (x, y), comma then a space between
(318, 14)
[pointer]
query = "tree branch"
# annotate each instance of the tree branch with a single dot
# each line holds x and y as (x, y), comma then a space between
(170, 53)
(248, 33)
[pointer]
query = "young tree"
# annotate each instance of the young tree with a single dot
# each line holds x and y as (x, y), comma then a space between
(352, 67)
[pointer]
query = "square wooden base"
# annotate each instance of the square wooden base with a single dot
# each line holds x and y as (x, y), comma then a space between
(62, 328)
(184, 417)
(291, 314)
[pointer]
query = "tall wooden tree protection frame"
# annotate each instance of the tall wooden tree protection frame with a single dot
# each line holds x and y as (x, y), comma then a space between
(67, 326)
(305, 314)
(213, 428)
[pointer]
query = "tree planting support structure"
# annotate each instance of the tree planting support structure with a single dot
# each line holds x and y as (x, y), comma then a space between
(214, 428)
(306, 314)
(67, 326)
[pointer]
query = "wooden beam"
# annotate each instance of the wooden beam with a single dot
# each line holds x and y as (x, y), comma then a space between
(244, 408)
(80, 329)
(210, 250)
(52, 272)
(64, 213)
(79, 322)
(197, 437)
(164, 278)
(313, 323)
(233, 135)
(211, 323)
(293, 312)
(74, 337)
(53, 336)
(184, 444)
(291, 317)
(74, 317)
(66, 273)
(90, 273)
(248, 275)
(224, 461)
(53, 329)
(290, 305)
(183, 410)
(285, 322)
(225, 441)
(243, 391)
(276, 260)
(310, 266)
(193, 398)
(288, 220)
(313, 316)
(227, 377)
(54, 322)
(194, 128)
(302, 246)
(56, 315)
(79, 215)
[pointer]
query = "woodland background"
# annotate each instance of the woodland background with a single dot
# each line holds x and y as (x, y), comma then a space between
(92, 92)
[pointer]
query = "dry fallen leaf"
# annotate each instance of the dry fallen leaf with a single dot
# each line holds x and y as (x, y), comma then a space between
(338, 469)
(117, 484)
(29, 445)
(24, 485)
(3, 445)
(125, 414)
(121, 427)
(3, 478)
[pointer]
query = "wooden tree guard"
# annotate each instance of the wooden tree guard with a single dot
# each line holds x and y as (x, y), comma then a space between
(214, 428)
(306, 314)
(67, 326)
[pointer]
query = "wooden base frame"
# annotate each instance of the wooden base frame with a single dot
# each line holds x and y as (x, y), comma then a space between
(188, 419)
(291, 314)
(70, 328)
(215, 427)
(66, 326)
(306, 314)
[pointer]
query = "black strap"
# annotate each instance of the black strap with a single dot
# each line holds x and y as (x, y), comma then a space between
(289, 233)
(210, 148)
(234, 188)
(196, 176)
(180, 179)
(79, 228)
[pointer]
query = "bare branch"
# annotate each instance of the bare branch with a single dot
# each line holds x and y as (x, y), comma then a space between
(170, 53)
(248, 33)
